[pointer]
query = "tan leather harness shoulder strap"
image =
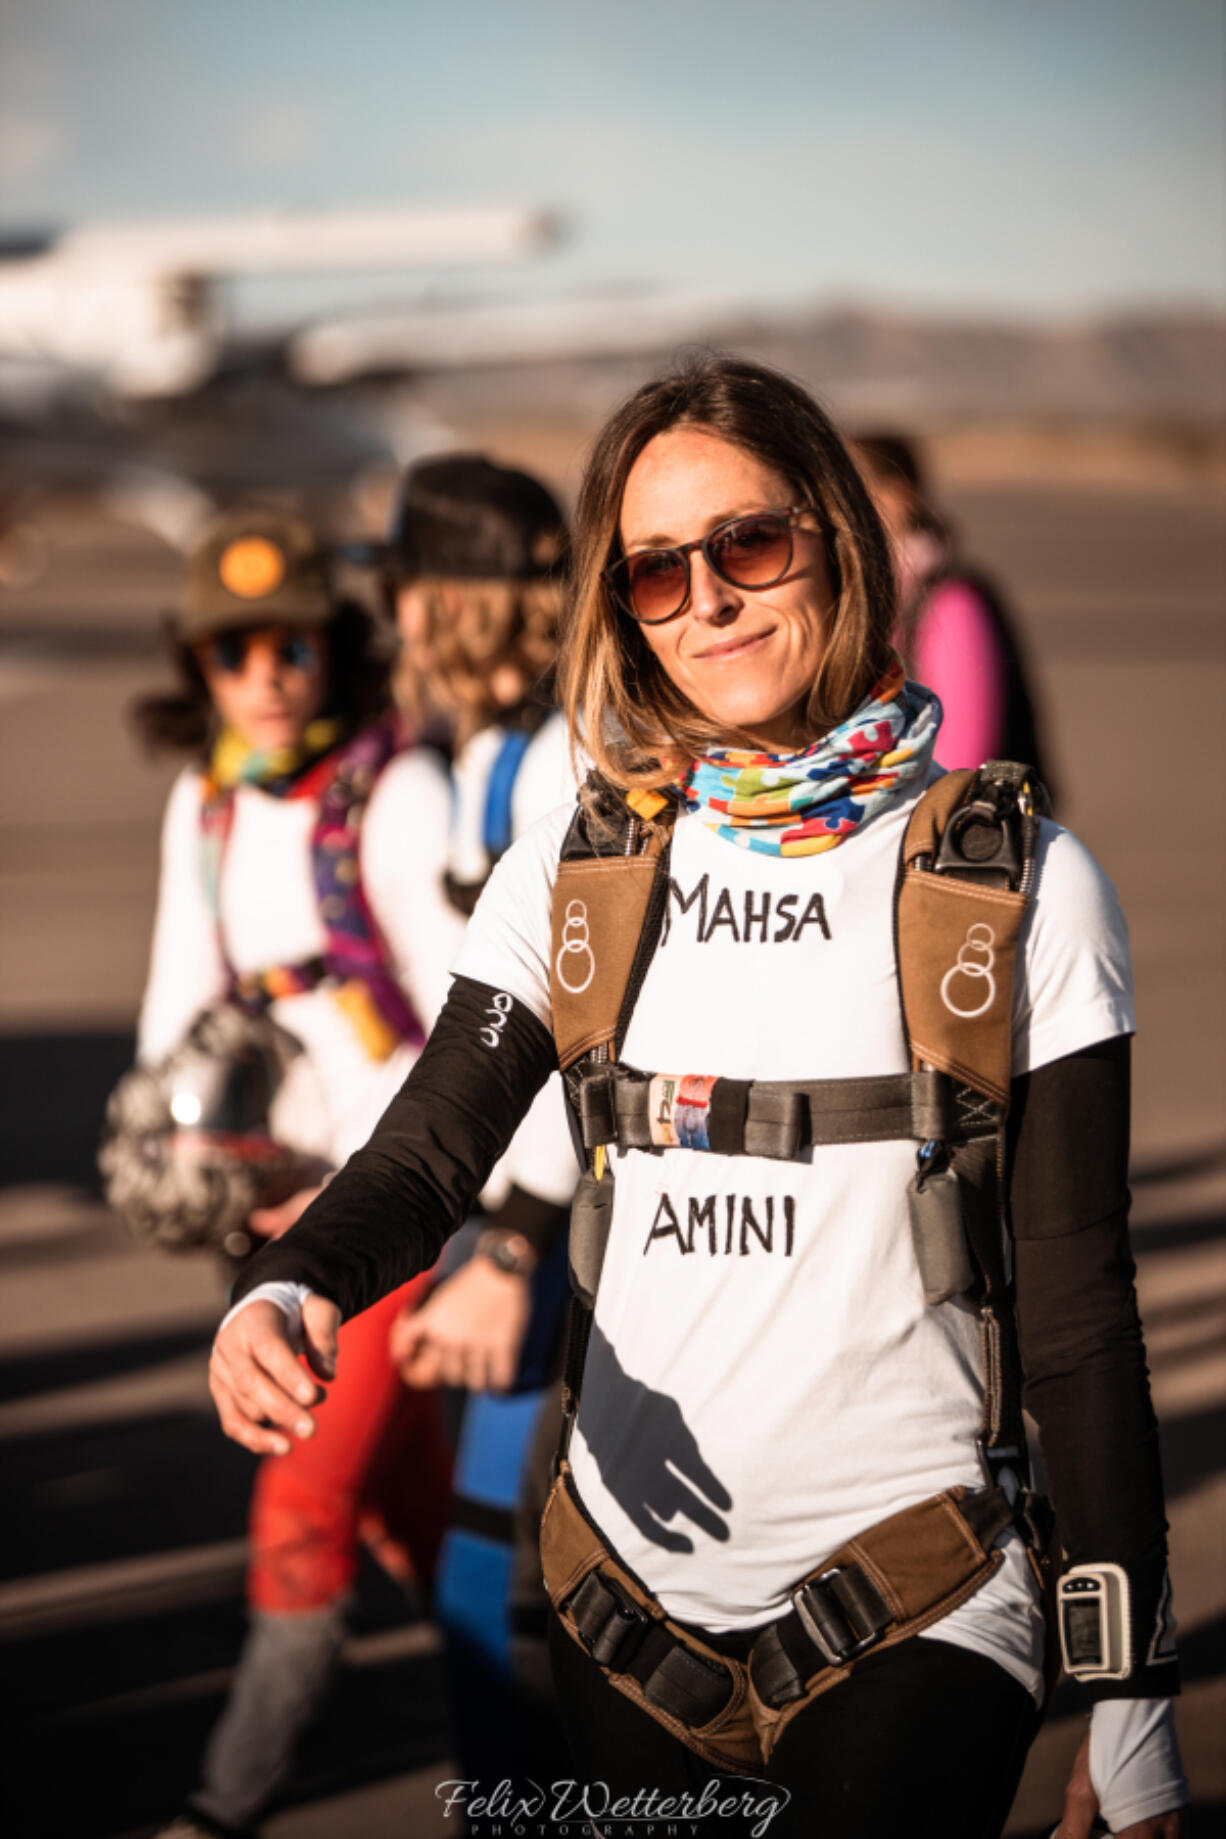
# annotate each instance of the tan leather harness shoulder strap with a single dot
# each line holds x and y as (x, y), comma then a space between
(967, 874)
(613, 862)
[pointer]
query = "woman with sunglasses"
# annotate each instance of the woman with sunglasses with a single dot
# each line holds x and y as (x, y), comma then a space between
(302, 860)
(765, 1382)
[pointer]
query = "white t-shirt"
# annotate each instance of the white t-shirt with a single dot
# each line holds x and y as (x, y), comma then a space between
(764, 1379)
(333, 1093)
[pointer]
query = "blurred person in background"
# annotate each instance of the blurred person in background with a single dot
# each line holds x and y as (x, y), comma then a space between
(302, 854)
(954, 632)
(475, 571)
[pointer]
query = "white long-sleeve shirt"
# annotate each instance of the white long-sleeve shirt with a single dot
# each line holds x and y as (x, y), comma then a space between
(541, 1157)
(333, 1093)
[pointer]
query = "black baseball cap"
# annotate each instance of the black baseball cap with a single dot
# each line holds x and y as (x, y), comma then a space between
(462, 515)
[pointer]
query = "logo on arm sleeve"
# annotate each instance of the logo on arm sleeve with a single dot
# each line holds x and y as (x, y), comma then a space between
(498, 1012)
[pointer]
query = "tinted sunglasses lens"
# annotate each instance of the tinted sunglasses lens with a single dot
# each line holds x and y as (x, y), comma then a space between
(753, 551)
(229, 651)
(297, 650)
(656, 584)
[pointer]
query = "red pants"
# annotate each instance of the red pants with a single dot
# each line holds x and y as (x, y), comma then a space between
(378, 1459)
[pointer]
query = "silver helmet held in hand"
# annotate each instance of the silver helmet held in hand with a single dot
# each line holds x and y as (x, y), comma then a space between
(186, 1150)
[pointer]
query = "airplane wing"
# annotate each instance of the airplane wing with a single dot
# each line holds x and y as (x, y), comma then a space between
(140, 303)
(338, 351)
(299, 242)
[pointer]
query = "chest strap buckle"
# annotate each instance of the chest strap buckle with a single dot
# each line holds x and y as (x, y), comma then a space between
(842, 1613)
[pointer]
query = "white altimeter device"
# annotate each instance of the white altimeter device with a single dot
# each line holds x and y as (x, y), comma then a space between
(1095, 1621)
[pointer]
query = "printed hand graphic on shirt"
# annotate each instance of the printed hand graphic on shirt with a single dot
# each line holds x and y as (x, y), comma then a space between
(647, 1454)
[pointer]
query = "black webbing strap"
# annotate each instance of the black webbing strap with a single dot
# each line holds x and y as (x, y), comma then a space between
(775, 1118)
(1003, 1433)
(1003, 802)
(988, 1514)
(840, 1614)
(620, 1635)
(578, 1333)
(578, 845)
(834, 1618)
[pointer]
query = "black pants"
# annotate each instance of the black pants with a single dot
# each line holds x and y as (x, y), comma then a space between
(923, 1738)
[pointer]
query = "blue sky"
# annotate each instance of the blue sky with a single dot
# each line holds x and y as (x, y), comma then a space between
(1037, 156)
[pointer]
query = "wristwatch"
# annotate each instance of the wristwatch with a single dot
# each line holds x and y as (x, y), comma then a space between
(507, 1251)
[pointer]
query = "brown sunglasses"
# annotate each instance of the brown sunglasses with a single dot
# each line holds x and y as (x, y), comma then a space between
(754, 551)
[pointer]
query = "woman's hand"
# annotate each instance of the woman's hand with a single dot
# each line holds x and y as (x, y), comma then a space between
(257, 1381)
(469, 1333)
(1081, 1806)
(271, 1222)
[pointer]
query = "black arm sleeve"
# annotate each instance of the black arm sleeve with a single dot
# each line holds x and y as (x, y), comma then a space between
(384, 1216)
(1085, 1380)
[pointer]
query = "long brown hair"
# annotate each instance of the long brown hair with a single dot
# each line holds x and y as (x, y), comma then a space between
(623, 710)
(889, 459)
(470, 629)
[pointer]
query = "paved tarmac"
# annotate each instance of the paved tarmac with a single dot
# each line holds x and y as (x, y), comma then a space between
(120, 1578)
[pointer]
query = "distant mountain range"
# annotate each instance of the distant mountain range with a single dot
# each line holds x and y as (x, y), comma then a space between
(879, 366)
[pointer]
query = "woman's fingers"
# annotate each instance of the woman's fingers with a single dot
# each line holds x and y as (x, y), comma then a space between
(451, 1364)
(266, 1403)
(408, 1333)
(502, 1364)
(254, 1348)
(236, 1419)
(260, 1390)
(243, 1414)
(468, 1334)
(429, 1348)
(321, 1320)
(241, 1430)
(414, 1351)
(423, 1371)
(266, 1343)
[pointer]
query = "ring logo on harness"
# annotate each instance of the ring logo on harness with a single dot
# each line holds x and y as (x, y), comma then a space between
(975, 961)
(575, 944)
(498, 1011)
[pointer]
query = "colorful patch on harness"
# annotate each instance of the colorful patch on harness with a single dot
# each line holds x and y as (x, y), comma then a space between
(679, 1110)
(661, 1101)
(692, 1111)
